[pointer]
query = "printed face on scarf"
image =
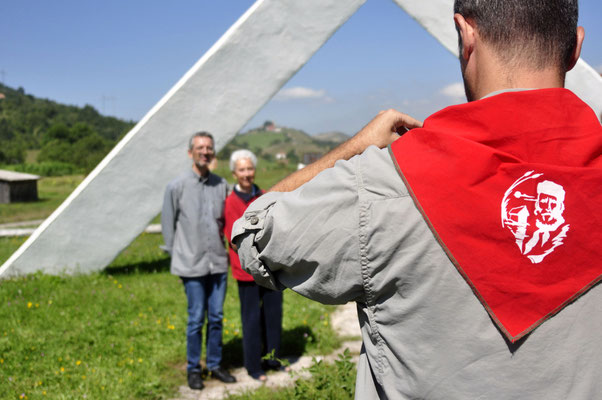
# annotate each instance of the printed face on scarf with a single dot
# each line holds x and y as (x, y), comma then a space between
(550, 203)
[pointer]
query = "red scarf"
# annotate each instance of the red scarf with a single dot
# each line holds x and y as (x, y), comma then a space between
(511, 186)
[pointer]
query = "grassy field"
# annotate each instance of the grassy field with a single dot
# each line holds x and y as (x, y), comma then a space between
(51, 192)
(120, 334)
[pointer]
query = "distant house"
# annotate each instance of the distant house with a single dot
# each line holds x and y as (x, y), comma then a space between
(269, 126)
(281, 156)
(16, 186)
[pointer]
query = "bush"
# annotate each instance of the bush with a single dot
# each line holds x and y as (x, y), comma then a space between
(328, 383)
(12, 153)
(47, 168)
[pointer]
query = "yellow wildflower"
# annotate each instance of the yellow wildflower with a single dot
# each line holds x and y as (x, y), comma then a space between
(29, 304)
(78, 362)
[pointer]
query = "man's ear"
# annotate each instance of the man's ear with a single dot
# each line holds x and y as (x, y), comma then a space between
(467, 36)
(577, 51)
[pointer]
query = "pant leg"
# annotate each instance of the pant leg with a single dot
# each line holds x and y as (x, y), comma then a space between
(195, 293)
(248, 293)
(272, 321)
(216, 293)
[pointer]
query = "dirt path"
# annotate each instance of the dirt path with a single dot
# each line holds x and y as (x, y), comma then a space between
(344, 322)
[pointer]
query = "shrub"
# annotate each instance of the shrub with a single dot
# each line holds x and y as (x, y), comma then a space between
(47, 168)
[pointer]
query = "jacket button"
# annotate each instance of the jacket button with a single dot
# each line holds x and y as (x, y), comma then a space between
(253, 220)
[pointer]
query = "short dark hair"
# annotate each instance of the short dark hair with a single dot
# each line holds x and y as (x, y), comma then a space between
(199, 134)
(537, 33)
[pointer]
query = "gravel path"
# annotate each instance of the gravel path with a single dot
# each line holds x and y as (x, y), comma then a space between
(344, 321)
(26, 228)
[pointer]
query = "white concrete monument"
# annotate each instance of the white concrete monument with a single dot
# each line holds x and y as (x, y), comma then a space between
(220, 93)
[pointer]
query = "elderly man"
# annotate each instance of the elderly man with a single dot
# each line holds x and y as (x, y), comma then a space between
(449, 307)
(192, 221)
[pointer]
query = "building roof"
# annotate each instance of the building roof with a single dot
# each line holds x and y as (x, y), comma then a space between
(11, 176)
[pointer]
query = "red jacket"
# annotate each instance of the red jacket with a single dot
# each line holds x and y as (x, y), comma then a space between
(233, 210)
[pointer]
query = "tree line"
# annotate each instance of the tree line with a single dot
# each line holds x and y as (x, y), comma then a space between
(77, 137)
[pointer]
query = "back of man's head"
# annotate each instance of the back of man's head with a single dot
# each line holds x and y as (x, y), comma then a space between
(534, 34)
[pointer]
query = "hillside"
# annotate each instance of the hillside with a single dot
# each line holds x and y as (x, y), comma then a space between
(79, 136)
(58, 139)
(293, 143)
(334, 137)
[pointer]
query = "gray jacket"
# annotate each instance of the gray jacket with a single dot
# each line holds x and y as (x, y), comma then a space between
(354, 234)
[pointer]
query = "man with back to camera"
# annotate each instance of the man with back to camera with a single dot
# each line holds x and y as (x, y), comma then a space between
(192, 221)
(423, 234)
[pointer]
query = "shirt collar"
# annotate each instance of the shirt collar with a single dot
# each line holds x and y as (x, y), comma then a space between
(202, 179)
(504, 91)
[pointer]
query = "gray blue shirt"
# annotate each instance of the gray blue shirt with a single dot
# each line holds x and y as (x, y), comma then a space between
(192, 221)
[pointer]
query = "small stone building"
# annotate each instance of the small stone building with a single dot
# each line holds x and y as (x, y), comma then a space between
(17, 186)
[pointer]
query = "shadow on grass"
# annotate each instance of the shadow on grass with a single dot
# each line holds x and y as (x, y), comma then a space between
(143, 267)
(293, 345)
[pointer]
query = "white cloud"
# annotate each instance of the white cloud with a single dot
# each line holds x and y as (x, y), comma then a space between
(299, 92)
(455, 91)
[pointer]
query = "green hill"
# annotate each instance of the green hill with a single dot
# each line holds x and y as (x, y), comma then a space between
(292, 143)
(44, 137)
(78, 137)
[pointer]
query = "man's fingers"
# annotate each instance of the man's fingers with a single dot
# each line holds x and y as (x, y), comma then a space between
(400, 122)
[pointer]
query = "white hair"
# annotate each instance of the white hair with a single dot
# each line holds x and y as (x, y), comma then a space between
(239, 155)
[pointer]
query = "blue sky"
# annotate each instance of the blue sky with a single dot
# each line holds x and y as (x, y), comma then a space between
(123, 56)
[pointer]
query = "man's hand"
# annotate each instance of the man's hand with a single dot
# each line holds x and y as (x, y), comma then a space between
(381, 132)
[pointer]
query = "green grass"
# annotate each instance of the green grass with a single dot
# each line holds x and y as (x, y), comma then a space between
(51, 192)
(8, 245)
(328, 381)
(120, 334)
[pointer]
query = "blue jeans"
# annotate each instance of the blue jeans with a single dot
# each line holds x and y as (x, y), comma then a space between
(205, 294)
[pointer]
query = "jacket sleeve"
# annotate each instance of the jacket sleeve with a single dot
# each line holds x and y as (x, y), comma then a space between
(169, 216)
(230, 215)
(308, 239)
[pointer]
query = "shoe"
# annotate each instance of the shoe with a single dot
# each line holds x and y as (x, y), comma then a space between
(195, 381)
(259, 376)
(222, 374)
(271, 365)
(274, 365)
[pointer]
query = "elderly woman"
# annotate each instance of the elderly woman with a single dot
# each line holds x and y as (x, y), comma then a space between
(260, 308)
